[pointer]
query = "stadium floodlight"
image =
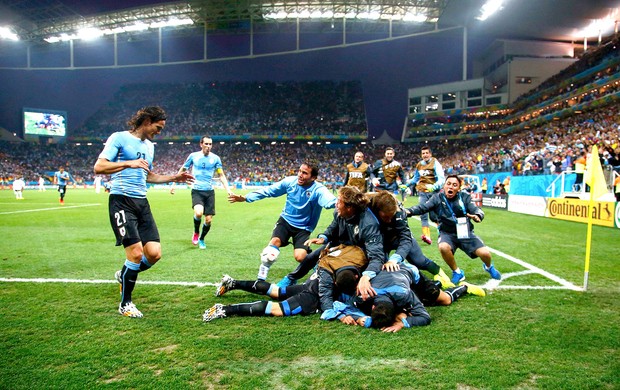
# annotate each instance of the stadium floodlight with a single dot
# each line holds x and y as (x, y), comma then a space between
(409, 17)
(597, 27)
(89, 33)
(6, 33)
(489, 8)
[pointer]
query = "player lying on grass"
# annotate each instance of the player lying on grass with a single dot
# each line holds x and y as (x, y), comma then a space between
(344, 263)
(292, 300)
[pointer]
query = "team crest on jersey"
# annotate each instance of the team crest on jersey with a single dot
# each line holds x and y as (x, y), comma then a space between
(308, 193)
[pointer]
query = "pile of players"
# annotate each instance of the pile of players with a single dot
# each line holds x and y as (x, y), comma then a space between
(366, 269)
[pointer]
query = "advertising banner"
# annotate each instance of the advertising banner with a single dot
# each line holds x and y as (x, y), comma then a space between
(495, 201)
(577, 210)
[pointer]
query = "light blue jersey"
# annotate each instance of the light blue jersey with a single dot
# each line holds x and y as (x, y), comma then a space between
(203, 167)
(303, 204)
(122, 146)
(62, 178)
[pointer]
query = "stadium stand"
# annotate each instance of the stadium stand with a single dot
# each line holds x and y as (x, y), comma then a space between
(317, 108)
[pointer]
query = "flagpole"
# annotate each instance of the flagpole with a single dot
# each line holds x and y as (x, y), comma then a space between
(586, 272)
(593, 172)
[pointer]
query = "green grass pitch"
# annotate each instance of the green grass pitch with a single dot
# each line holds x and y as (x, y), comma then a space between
(536, 334)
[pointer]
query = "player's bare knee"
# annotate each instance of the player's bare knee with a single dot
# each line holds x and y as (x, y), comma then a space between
(300, 255)
(208, 219)
(445, 248)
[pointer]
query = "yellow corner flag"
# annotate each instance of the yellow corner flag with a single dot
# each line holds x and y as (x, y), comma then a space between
(598, 187)
(594, 175)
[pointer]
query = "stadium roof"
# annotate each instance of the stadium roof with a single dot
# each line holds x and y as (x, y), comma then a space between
(557, 20)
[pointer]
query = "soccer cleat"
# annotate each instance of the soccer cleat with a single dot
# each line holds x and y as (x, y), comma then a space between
(201, 244)
(119, 279)
(129, 310)
(492, 271)
(195, 239)
(215, 311)
(226, 284)
(286, 281)
(457, 276)
(426, 239)
(473, 289)
(444, 279)
(62, 202)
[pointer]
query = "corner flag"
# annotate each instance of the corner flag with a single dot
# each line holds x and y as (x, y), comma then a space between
(594, 175)
(598, 187)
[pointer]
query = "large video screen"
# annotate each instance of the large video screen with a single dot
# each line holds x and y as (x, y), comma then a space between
(45, 122)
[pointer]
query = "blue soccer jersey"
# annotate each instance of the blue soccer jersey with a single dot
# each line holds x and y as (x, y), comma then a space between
(303, 204)
(122, 146)
(203, 167)
(62, 178)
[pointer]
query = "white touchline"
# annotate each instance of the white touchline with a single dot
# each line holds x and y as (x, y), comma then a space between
(50, 208)
(495, 284)
(104, 281)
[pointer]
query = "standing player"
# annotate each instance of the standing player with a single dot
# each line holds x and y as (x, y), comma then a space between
(429, 179)
(97, 184)
(204, 164)
(385, 172)
(128, 157)
(358, 173)
(62, 178)
(305, 199)
(41, 184)
(18, 188)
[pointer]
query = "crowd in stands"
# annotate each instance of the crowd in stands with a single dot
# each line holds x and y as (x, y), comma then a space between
(549, 149)
(240, 108)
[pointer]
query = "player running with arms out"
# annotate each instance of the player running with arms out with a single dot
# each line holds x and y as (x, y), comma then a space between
(455, 210)
(305, 199)
(128, 157)
(204, 164)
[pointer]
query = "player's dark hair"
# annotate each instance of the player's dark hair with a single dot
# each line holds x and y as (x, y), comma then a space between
(457, 177)
(154, 113)
(346, 280)
(205, 136)
(426, 147)
(314, 168)
(383, 313)
(353, 197)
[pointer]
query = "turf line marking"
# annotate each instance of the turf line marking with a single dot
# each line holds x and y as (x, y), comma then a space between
(50, 208)
(495, 284)
(565, 283)
(104, 281)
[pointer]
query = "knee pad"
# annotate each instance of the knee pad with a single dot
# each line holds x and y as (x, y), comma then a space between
(269, 255)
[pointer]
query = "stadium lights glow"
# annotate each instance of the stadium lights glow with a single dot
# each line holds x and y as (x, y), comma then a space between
(489, 8)
(371, 15)
(6, 33)
(598, 27)
(93, 32)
